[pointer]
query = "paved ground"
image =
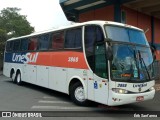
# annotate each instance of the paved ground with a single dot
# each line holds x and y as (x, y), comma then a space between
(33, 98)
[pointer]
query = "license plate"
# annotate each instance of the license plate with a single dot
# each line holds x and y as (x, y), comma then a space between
(140, 98)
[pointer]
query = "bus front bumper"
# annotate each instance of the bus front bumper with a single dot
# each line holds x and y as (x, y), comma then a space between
(116, 99)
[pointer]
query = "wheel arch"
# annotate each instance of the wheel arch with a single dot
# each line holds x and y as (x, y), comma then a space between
(19, 71)
(74, 80)
(12, 71)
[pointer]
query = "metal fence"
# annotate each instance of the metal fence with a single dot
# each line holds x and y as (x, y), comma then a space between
(157, 69)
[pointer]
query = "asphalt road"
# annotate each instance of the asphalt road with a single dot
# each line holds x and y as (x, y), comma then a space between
(51, 103)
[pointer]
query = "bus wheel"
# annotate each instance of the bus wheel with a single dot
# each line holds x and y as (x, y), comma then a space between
(77, 94)
(13, 77)
(18, 78)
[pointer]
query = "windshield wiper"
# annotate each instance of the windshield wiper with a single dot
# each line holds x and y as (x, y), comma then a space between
(142, 62)
(137, 64)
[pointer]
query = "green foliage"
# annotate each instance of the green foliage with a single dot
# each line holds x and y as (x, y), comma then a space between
(12, 24)
(3, 37)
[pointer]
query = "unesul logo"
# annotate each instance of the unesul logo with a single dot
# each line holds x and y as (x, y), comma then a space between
(25, 58)
(140, 85)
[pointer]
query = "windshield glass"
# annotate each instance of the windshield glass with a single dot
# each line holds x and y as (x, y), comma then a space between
(123, 34)
(131, 62)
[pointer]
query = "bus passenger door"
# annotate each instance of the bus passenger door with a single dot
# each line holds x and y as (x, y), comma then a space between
(95, 50)
(100, 89)
(101, 75)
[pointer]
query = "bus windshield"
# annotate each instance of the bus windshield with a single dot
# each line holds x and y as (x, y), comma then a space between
(131, 63)
(124, 34)
(132, 57)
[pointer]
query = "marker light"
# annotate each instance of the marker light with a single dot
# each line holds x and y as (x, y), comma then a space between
(120, 91)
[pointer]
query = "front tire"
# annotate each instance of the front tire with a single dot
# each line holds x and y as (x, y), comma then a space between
(77, 94)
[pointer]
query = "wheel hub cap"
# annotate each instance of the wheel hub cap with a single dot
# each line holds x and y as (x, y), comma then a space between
(79, 94)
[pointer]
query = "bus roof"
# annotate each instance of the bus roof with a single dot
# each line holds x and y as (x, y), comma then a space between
(101, 23)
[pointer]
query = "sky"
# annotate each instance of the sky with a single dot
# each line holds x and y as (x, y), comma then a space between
(41, 14)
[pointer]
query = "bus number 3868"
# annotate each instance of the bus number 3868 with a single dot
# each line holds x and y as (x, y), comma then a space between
(72, 59)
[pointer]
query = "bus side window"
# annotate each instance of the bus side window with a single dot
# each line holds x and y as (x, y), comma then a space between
(24, 44)
(33, 43)
(73, 38)
(11, 45)
(43, 42)
(90, 38)
(16, 45)
(99, 35)
(57, 40)
(8, 46)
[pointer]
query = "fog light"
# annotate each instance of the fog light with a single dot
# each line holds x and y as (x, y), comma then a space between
(152, 88)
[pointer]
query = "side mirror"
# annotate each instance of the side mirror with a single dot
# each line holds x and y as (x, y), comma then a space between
(154, 57)
(153, 50)
(109, 53)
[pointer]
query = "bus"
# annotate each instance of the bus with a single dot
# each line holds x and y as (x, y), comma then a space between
(102, 61)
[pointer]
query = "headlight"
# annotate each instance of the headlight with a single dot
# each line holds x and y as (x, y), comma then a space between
(120, 91)
(152, 88)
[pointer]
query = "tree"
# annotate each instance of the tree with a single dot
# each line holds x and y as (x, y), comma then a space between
(12, 24)
(3, 37)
